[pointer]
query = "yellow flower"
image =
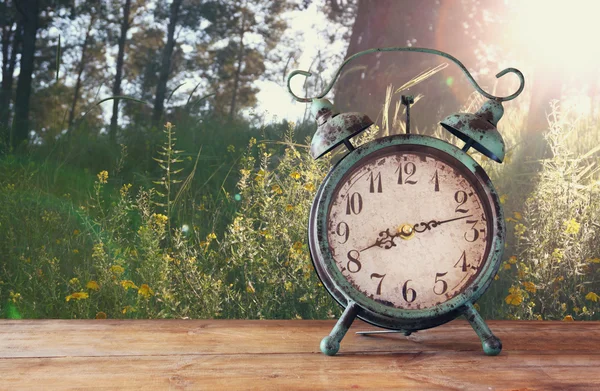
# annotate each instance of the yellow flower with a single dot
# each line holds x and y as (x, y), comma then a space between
(124, 189)
(260, 175)
(594, 260)
(276, 189)
(515, 297)
(250, 287)
(289, 207)
(507, 266)
(145, 291)
(14, 297)
(93, 285)
(230, 148)
(512, 260)
(518, 215)
(496, 277)
(571, 227)
(252, 141)
(476, 306)
(297, 246)
(101, 315)
(103, 176)
(127, 309)
(568, 318)
(116, 269)
(75, 251)
(520, 229)
(529, 286)
(576, 309)
(159, 219)
(557, 255)
(295, 175)
(74, 281)
(288, 285)
(503, 198)
(211, 236)
(592, 297)
(77, 296)
(309, 187)
(128, 284)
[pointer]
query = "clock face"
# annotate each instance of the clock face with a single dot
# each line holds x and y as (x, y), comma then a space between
(409, 227)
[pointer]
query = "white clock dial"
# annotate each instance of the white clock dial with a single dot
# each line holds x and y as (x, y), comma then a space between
(409, 229)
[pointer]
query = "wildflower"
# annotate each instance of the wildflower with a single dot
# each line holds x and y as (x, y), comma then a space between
(124, 189)
(98, 251)
(496, 277)
(252, 141)
(512, 260)
(592, 297)
(571, 227)
(74, 281)
(211, 236)
(250, 287)
(92, 285)
(117, 269)
(75, 251)
(576, 309)
(288, 285)
(77, 296)
(558, 255)
(103, 176)
(230, 148)
(529, 286)
(145, 291)
(507, 266)
(515, 297)
(518, 215)
(520, 229)
(563, 306)
(127, 309)
(75, 232)
(594, 260)
(476, 306)
(309, 187)
(503, 198)
(297, 246)
(276, 189)
(128, 284)
(295, 175)
(568, 318)
(289, 207)
(159, 219)
(101, 315)
(14, 297)
(260, 175)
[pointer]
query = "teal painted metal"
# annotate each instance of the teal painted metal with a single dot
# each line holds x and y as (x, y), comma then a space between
(370, 310)
(331, 343)
(490, 343)
(479, 130)
(334, 128)
(418, 50)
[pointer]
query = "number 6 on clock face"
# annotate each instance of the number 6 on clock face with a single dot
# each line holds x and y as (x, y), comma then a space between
(409, 227)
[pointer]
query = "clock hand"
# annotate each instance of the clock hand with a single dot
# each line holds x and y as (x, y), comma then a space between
(385, 240)
(434, 223)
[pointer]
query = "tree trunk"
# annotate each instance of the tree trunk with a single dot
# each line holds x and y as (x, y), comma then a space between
(80, 69)
(112, 133)
(10, 48)
(165, 69)
(29, 10)
(240, 59)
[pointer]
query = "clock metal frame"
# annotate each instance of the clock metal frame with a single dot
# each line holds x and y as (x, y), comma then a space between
(356, 303)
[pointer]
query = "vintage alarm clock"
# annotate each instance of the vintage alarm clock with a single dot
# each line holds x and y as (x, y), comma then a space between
(406, 232)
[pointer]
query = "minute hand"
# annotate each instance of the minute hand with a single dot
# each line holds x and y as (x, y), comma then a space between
(434, 223)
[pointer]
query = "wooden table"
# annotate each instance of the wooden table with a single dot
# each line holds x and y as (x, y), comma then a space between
(284, 355)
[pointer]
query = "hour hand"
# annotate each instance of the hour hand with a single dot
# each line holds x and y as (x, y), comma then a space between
(425, 226)
(385, 240)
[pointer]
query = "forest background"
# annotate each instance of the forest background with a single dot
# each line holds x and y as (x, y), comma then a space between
(152, 164)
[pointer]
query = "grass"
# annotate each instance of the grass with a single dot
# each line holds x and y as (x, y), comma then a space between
(205, 219)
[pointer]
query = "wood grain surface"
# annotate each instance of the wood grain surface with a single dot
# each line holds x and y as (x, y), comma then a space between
(284, 355)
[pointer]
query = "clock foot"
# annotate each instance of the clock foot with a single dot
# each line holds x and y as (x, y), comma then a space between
(331, 343)
(490, 343)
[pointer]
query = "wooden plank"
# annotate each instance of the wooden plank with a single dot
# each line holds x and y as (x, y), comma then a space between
(413, 371)
(55, 338)
(219, 354)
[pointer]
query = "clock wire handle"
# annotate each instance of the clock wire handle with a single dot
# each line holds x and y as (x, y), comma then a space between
(411, 49)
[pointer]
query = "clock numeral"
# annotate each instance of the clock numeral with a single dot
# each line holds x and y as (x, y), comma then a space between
(463, 262)
(353, 256)
(436, 181)
(460, 197)
(372, 179)
(354, 204)
(409, 169)
(444, 283)
(376, 275)
(406, 292)
(474, 230)
(344, 233)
